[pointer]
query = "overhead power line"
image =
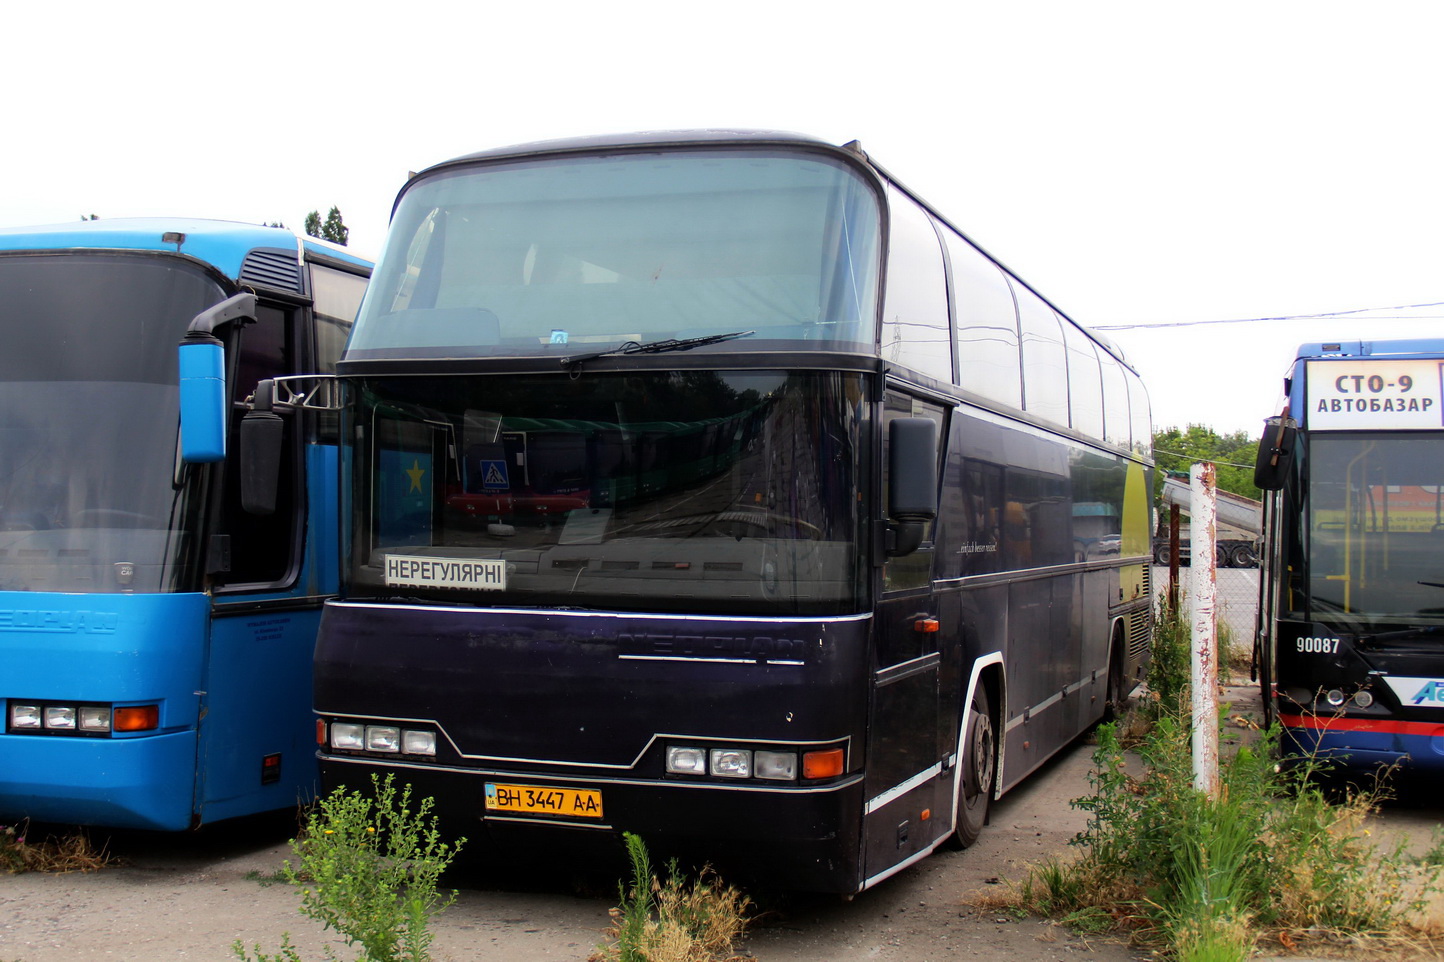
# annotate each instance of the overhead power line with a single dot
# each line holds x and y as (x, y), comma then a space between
(1357, 314)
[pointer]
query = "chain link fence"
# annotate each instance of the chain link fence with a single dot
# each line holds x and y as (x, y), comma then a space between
(1235, 608)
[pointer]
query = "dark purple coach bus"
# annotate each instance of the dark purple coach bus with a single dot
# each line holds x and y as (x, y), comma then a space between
(711, 486)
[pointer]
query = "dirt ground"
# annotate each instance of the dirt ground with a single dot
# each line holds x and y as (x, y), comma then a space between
(189, 897)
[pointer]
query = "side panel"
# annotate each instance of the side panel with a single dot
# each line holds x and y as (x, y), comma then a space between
(103, 649)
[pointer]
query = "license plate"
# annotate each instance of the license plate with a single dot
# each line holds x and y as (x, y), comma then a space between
(544, 800)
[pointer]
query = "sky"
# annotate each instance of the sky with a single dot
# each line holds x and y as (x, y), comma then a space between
(1138, 163)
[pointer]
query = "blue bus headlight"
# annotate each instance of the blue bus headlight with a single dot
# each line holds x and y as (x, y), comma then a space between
(25, 716)
(94, 718)
(59, 716)
(731, 762)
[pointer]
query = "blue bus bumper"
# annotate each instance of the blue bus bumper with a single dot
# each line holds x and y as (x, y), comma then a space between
(122, 782)
(1416, 750)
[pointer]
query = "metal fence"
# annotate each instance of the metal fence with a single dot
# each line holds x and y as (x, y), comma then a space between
(1235, 603)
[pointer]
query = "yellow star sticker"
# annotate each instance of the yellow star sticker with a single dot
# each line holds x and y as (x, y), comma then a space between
(415, 473)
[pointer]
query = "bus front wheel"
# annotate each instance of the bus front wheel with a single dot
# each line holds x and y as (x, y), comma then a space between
(980, 763)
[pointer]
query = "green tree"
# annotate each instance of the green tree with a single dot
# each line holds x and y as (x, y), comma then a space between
(1174, 450)
(332, 229)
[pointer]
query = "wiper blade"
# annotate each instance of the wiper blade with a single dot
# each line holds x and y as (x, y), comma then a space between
(656, 347)
(1401, 634)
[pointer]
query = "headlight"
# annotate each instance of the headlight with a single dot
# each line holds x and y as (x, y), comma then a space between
(686, 761)
(59, 716)
(418, 743)
(778, 766)
(94, 718)
(25, 716)
(348, 736)
(731, 762)
(383, 738)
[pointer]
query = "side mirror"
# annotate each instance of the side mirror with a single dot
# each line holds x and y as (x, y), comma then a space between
(912, 467)
(261, 436)
(1275, 453)
(202, 363)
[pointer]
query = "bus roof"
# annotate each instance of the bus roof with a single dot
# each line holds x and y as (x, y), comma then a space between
(221, 244)
(659, 139)
(1420, 345)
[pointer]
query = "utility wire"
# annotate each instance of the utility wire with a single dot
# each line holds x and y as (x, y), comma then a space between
(1355, 314)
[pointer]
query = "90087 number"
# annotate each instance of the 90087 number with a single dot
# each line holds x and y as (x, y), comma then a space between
(1319, 646)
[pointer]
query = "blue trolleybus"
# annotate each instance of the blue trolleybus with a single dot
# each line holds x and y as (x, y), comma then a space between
(1351, 615)
(713, 487)
(156, 638)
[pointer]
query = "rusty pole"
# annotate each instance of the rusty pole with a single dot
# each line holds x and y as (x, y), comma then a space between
(1202, 536)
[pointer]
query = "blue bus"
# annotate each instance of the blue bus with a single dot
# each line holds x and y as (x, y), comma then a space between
(156, 636)
(713, 487)
(1351, 614)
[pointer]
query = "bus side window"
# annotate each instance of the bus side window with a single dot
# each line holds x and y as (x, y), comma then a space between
(1116, 421)
(263, 549)
(1085, 382)
(1045, 361)
(915, 329)
(986, 321)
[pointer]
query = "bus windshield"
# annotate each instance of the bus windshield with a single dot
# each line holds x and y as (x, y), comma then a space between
(1376, 528)
(578, 254)
(88, 416)
(709, 492)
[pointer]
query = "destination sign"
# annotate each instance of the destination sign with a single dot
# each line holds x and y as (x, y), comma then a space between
(421, 572)
(1379, 394)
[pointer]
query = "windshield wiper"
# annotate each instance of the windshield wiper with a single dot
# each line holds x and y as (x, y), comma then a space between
(655, 347)
(1401, 634)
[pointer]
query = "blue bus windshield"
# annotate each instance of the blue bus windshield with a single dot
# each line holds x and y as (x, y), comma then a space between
(577, 254)
(88, 417)
(1376, 528)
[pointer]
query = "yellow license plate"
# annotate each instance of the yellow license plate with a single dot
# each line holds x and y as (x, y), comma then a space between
(544, 800)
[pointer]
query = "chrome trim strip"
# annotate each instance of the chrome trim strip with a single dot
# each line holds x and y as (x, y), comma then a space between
(910, 860)
(906, 669)
(714, 661)
(630, 615)
(509, 777)
(546, 821)
(899, 790)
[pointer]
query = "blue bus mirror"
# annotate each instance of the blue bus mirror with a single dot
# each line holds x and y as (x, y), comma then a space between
(1275, 453)
(202, 399)
(260, 441)
(202, 364)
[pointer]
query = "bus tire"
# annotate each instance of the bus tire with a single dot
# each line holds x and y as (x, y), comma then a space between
(1116, 699)
(980, 766)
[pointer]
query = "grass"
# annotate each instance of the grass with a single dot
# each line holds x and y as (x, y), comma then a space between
(676, 920)
(1271, 859)
(20, 851)
(369, 868)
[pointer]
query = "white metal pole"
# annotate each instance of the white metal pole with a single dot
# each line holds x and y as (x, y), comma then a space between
(1203, 536)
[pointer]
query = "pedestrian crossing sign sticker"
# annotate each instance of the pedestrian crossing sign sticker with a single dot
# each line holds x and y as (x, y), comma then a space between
(493, 474)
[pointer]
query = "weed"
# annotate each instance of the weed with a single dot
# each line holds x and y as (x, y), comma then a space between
(20, 852)
(1205, 876)
(369, 867)
(672, 921)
